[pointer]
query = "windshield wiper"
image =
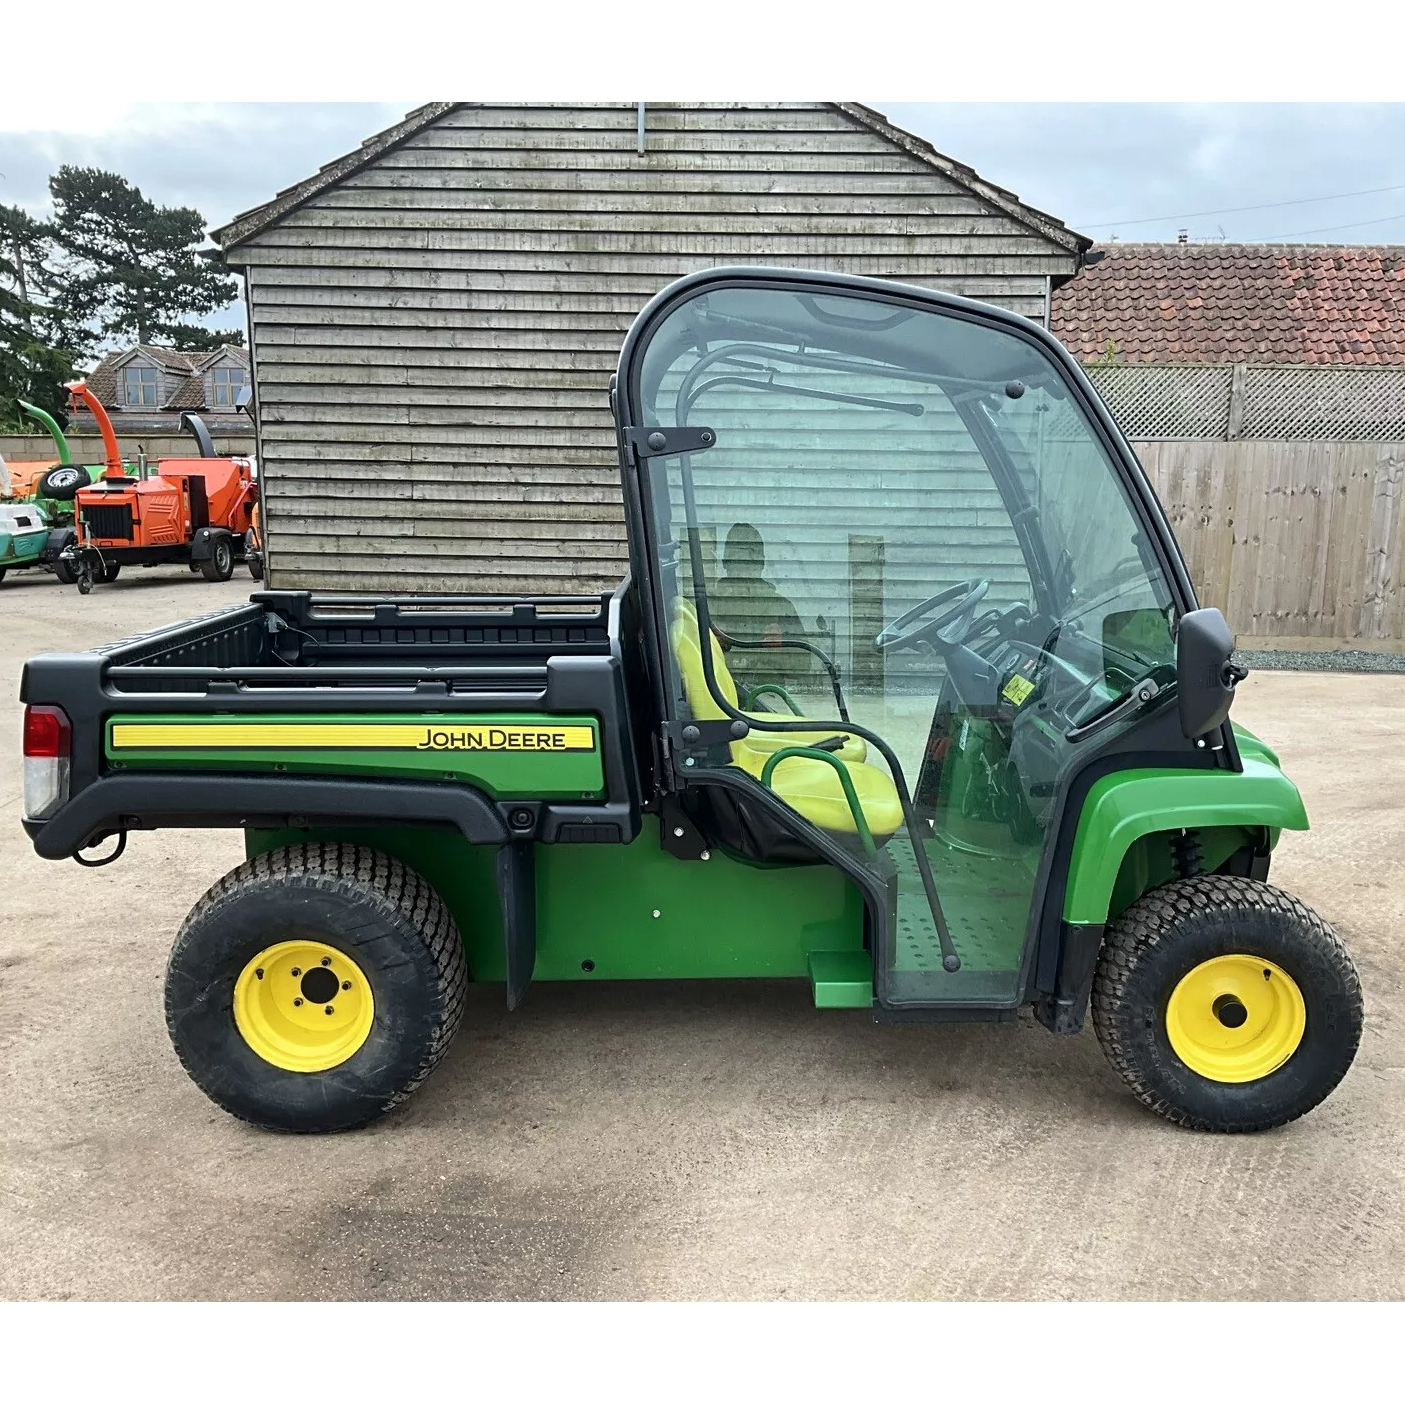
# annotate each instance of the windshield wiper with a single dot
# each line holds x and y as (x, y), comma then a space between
(902, 407)
(1144, 691)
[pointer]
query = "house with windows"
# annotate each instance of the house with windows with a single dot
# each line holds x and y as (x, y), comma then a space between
(146, 389)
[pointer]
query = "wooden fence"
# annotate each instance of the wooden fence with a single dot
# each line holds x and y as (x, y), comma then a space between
(1300, 544)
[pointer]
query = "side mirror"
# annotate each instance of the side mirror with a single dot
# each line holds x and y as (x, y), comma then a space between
(1205, 673)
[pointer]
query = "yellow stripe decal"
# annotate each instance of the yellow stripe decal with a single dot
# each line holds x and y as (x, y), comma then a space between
(344, 736)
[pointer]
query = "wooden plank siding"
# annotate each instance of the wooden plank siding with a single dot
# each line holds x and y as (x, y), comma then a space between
(434, 329)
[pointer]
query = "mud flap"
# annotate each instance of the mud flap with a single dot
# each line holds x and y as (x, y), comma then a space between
(517, 892)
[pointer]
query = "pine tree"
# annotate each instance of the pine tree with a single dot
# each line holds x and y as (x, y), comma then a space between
(130, 269)
(37, 344)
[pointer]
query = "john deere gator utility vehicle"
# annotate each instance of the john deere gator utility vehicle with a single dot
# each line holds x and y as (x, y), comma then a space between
(906, 694)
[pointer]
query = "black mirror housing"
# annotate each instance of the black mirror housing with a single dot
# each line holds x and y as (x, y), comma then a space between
(1205, 675)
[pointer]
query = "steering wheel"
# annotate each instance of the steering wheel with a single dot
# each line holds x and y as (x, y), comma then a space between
(948, 628)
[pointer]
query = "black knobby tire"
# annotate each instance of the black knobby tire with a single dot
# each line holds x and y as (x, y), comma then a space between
(65, 573)
(382, 915)
(62, 483)
(219, 565)
(1174, 928)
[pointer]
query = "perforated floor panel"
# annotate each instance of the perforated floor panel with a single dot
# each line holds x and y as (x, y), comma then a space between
(986, 902)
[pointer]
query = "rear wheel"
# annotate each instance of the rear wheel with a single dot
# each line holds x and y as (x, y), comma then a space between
(66, 574)
(1226, 1005)
(109, 572)
(219, 565)
(315, 987)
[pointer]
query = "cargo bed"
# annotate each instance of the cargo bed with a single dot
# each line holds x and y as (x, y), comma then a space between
(294, 657)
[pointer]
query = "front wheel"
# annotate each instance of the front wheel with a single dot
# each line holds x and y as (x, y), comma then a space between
(219, 565)
(1226, 1005)
(315, 987)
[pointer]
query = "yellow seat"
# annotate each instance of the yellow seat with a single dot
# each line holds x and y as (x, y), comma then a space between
(811, 787)
(685, 626)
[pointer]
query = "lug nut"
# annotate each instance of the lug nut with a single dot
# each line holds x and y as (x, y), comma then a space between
(297, 1000)
(346, 985)
(259, 973)
(331, 1010)
(297, 970)
(326, 960)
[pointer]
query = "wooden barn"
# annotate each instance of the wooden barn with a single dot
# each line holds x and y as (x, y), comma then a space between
(434, 318)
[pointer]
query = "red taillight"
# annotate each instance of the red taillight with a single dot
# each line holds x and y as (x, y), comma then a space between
(47, 734)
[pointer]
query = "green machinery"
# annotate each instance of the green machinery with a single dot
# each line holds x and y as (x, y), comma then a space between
(907, 694)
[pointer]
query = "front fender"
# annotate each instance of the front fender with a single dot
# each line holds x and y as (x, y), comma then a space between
(1123, 807)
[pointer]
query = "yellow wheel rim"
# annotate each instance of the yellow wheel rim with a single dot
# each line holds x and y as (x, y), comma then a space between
(303, 1006)
(1233, 1019)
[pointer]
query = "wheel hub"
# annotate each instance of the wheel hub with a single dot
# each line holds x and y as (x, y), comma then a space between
(1234, 1019)
(303, 1006)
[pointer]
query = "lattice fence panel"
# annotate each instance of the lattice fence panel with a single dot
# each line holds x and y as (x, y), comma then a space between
(1362, 403)
(1324, 402)
(1167, 402)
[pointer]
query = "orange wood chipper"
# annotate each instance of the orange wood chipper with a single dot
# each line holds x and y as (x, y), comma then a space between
(195, 510)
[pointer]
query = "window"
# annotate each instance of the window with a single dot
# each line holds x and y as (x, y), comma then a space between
(139, 386)
(228, 381)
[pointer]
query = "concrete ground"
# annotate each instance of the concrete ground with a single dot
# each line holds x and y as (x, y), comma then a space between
(670, 1142)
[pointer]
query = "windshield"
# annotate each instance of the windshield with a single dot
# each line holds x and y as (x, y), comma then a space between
(869, 456)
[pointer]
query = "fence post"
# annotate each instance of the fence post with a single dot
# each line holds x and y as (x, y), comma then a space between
(1237, 381)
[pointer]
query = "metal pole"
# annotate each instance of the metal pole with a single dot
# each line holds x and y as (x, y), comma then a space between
(640, 106)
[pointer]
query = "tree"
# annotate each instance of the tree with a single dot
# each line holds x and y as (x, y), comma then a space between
(37, 344)
(130, 268)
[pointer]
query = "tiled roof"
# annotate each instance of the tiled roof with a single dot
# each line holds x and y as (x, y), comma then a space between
(185, 383)
(1279, 304)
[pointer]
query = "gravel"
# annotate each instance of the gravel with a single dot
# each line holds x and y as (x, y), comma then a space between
(1322, 660)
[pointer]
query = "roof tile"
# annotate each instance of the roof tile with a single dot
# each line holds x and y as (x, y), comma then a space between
(1278, 304)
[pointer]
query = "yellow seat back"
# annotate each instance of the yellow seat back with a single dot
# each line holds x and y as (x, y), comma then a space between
(688, 651)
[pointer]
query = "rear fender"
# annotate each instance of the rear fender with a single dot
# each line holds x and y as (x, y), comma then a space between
(1128, 805)
(202, 544)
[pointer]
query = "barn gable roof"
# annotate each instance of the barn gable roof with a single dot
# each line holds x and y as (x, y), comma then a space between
(255, 221)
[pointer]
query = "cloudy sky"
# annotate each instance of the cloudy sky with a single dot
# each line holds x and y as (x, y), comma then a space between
(1321, 173)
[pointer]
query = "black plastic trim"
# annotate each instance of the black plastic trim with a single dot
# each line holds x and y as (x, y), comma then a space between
(1064, 1011)
(116, 803)
(517, 894)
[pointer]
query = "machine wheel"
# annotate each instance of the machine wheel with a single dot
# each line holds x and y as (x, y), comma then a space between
(109, 572)
(219, 565)
(1226, 1005)
(2, 573)
(85, 583)
(253, 557)
(62, 483)
(65, 573)
(315, 987)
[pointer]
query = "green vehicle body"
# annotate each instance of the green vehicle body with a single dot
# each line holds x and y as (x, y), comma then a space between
(649, 880)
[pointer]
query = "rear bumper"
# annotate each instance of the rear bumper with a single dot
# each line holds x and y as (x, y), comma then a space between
(117, 803)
